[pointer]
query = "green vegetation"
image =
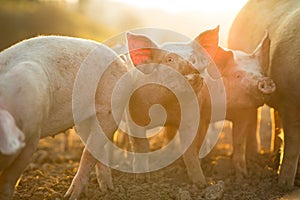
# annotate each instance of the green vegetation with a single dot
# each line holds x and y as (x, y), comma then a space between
(24, 19)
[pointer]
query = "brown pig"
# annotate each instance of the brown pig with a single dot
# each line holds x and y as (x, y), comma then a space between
(281, 19)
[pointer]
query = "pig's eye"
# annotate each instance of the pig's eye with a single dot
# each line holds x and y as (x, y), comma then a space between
(170, 59)
(193, 60)
(238, 75)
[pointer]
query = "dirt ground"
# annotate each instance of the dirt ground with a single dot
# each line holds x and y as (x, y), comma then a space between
(52, 169)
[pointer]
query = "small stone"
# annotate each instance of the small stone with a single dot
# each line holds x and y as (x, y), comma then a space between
(184, 195)
(214, 192)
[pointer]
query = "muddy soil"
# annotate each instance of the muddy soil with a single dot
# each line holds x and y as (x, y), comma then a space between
(52, 169)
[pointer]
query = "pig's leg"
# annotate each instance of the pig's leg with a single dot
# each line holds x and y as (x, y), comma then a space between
(140, 145)
(162, 138)
(239, 147)
(297, 179)
(191, 158)
(10, 176)
(122, 140)
(67, 140)
(291, 125)
(244, 124)
(254, 140)
(81, 179)
(88, 161)
(277, 140)
(104, 177)
(169, 132)
(253, 136)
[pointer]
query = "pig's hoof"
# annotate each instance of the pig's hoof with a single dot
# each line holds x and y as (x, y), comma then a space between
(105, 183)
(199, 183)
(74, 191)
(241, 174)
(241, 171)
(72, 194)
(286, 183)
(104, 178)
(5, 196)
(6, 191)
(297, 180)
(200, 186)
(105, 187)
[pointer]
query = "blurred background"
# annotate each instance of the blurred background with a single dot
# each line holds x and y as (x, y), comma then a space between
(102, 19)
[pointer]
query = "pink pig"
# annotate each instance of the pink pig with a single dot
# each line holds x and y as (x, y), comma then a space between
(247, 88)
(145, 51)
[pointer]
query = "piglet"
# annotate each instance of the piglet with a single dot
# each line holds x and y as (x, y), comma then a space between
(188, 59)
(37, 77)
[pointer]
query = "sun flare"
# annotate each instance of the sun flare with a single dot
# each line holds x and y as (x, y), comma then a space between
(188, 5)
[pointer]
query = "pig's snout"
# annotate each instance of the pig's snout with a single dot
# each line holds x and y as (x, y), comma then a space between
(12, 138)
(266, 85)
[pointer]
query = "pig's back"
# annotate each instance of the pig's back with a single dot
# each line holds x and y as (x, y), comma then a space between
(249, 26)
(47, 66)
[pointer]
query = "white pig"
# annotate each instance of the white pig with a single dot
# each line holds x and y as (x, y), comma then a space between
(36, 84)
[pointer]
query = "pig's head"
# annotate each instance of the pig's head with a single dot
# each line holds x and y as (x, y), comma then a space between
(148, 57)
(11, 137)
(244, 75)
(145, 51)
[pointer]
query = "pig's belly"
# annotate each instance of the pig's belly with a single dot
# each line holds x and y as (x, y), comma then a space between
(57, 123)
(59, 117)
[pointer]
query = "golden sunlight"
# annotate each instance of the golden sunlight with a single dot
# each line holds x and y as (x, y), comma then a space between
(188, 5)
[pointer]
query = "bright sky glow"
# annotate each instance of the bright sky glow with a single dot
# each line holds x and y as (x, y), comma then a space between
(188, 5)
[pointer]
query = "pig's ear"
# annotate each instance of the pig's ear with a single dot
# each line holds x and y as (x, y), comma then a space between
(223, 56)
(140, 48)
(262, 52)
(222, 59)
(209, 40)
